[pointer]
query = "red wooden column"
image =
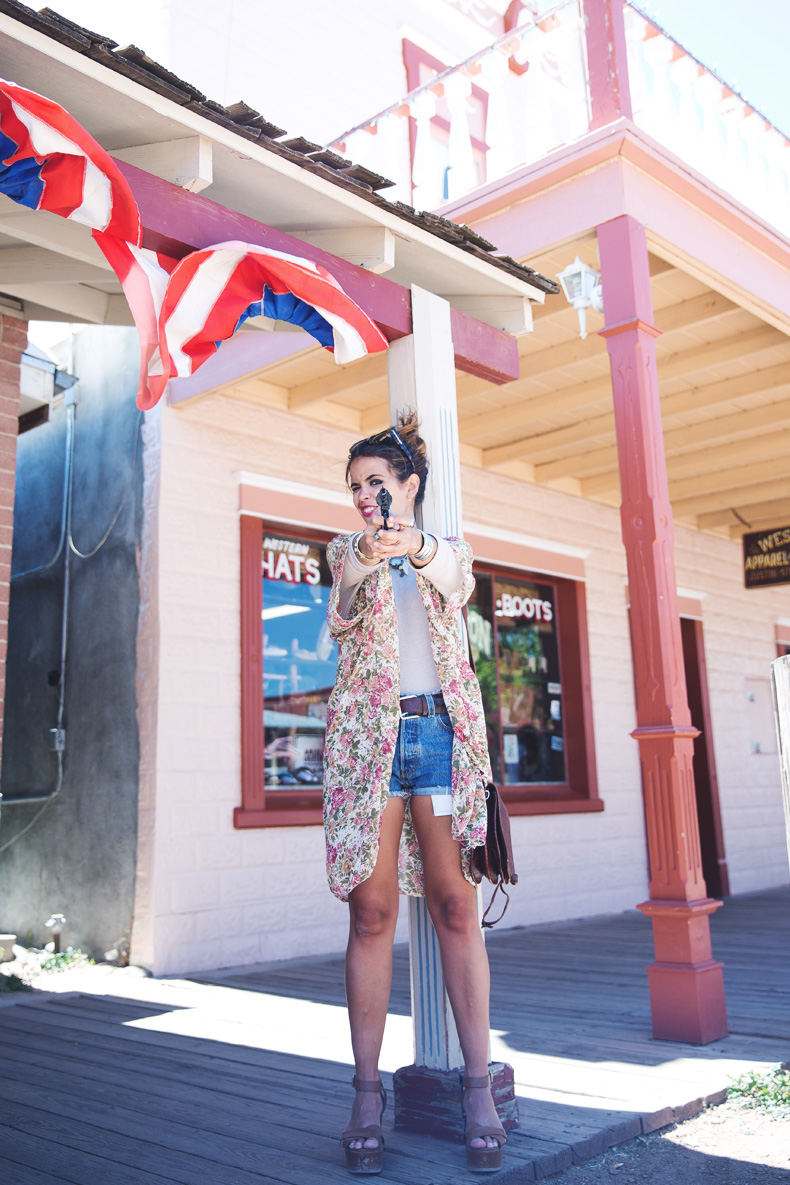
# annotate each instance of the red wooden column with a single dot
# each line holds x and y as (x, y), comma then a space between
(686, 985)
(607, 65)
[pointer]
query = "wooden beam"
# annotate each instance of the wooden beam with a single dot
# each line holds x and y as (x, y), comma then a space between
(372, 369)
(584, 394)
(545, 442)
(38, 265)
(578, 464)
(482, 350)
(731, 496)
(694, 311)
(569, 353)
(759, 511)
(512, 314)
(670, 366)
(724, 456)
(374, 419)
(756, 382)
(696, 399)
(176, 221)
(687, 464)
(521, 414)
(42, 229)
(779, 519)
(696, 358)
(75, 300)
(659, 266)
(369, 247)
(188, 162)
(768, 415)
(736, 477)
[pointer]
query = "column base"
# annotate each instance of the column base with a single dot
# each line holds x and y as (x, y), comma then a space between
(686, 983)
(687, 1002)
(430, 1101)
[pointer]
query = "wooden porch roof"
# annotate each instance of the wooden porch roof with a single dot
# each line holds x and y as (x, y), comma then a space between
(724, 376)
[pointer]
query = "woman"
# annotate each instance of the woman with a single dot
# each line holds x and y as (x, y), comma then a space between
(406, 762)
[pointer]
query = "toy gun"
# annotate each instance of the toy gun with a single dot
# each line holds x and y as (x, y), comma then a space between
(384, 499)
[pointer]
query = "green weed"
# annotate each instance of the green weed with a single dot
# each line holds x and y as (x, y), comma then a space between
(770, 1089)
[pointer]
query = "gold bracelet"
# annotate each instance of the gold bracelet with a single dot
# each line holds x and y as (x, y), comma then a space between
(363, 559)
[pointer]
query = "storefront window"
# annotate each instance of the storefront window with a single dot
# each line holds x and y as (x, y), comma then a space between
(528, 637)
(514, 627)
(299, 659)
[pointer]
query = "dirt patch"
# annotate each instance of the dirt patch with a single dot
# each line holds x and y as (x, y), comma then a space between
(731, 1144)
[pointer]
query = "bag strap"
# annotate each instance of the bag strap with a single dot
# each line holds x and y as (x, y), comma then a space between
(499, 889)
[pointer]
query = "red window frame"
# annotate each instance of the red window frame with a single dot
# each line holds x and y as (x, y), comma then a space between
(284, 808)
(302, 807)
(579, 793)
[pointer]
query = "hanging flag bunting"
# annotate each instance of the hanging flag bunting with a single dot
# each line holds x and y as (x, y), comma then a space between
(143, 275)
(210, 293)
(183, 309)
(49, 162)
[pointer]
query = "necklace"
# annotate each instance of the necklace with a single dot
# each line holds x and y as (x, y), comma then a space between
(398, 562)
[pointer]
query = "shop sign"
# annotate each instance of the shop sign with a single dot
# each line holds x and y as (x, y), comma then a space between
(285, 559)
(766, 558)
(533, 608)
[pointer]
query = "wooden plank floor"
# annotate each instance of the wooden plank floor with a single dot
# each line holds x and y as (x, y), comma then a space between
(244, 1077)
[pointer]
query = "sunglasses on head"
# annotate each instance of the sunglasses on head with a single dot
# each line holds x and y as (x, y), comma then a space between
(388, 436)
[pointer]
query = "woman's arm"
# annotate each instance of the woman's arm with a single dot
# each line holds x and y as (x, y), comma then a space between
(443, 569)
(356, 567)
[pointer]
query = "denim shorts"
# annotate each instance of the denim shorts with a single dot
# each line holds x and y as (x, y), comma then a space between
(423, 760)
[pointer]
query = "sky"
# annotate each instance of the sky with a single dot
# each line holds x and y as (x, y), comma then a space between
(746, 44)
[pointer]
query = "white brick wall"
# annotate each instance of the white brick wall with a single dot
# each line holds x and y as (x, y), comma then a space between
(223, 897)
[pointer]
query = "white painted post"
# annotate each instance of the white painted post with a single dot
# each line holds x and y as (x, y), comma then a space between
(421, 374)
(780, 683)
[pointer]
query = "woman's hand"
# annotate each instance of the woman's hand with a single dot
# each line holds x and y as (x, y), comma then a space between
(401, 537)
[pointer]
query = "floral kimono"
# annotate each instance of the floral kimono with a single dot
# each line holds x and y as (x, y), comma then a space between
(363, 717)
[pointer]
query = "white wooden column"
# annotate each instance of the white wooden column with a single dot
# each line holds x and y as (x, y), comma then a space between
(421, 375)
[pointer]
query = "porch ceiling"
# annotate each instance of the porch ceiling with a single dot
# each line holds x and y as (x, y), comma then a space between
(724, 377)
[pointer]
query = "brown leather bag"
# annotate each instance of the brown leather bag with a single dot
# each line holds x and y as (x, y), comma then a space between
(493, 861)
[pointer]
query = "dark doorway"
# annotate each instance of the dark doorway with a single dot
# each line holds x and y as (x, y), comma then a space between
(714, 863)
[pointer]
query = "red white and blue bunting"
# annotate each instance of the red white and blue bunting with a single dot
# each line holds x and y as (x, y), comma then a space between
(183, 309)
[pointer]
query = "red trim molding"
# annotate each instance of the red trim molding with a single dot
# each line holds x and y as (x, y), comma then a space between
(627, 326)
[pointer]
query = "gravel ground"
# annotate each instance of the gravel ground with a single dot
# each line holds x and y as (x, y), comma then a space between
(730, 1145)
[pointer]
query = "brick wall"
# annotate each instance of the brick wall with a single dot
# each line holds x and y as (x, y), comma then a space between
(13, 340)
(218, 897)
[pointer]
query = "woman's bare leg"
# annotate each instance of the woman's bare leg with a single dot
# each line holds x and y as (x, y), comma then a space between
(373, 907)
(452, 904)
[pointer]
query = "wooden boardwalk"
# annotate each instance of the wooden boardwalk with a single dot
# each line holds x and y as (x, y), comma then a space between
(244, 1077)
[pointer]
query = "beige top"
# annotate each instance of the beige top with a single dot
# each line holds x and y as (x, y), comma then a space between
(418, 672)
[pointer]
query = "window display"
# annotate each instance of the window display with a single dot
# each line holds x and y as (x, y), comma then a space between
(299, 659)
(513, 628)
(528, 636)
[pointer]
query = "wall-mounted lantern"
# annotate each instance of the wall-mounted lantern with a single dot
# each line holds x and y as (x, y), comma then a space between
(582, 287)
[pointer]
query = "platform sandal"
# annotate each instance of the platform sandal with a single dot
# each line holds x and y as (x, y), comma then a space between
(482, 1160)
(366, 1160)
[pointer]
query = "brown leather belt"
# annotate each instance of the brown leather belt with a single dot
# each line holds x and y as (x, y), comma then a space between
(417, 705)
